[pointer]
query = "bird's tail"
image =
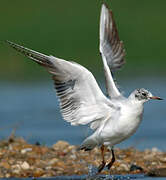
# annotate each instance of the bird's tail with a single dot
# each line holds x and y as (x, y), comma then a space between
(88, 144)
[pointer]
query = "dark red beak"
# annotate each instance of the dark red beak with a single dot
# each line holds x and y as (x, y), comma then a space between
(155, 97)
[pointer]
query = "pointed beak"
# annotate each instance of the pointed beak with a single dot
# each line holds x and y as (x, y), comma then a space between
(156, 97)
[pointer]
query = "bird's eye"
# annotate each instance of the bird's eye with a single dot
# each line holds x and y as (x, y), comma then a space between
(144, 94)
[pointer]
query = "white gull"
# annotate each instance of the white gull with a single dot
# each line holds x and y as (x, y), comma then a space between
(113, 118)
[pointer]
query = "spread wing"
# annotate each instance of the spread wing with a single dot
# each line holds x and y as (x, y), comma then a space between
(81, 100)
(111, 49)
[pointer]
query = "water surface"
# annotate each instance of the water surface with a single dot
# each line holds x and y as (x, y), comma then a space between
(32, 108)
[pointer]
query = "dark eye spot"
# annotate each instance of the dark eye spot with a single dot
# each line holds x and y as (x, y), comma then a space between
(144, 94)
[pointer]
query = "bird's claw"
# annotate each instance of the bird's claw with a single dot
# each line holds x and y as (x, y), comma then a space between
(101, 167)
(108, 166)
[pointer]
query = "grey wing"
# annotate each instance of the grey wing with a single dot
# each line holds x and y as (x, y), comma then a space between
(111, 49)
(81, 100)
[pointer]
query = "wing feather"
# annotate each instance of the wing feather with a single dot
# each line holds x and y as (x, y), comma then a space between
(110, 45)
(81, 100)
(111, 49)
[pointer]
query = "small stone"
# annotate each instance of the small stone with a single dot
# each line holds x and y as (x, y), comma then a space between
(53, 161)
(48, 168)
(155, 149)
(16, 171)
(154, 163)
(5, 165)
(163, 159)
(124, 167)
(7, 175)
(16, 166)
(60, 145)
(23, 151)
(25, 165)
(73, 156)
(72, 148)
(38, 172)
(149, 156)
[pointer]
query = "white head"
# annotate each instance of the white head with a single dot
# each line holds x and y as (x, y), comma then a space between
(142, 95)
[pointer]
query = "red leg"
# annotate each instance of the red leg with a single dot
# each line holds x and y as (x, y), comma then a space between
(109, 165)
(102, 165)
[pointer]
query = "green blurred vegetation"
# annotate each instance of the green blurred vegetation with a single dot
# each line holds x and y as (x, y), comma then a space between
(69, 29)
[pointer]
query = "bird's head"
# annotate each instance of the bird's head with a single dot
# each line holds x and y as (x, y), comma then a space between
(143, 95)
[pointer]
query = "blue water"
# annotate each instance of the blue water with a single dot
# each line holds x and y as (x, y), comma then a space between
(32, 109)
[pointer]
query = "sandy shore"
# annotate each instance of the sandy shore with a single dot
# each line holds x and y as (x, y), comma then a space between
(21, 159)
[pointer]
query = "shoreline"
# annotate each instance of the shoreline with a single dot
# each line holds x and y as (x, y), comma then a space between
(20, 159)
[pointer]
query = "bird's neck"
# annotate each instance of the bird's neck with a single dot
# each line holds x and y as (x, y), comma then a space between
(135, 101)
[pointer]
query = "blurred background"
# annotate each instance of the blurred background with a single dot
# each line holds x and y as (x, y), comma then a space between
(69, 30)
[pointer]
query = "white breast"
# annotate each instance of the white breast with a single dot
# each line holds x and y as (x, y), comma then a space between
(130, 119)
(124, 126)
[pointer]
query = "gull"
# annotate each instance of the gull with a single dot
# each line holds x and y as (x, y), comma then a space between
(113, 118)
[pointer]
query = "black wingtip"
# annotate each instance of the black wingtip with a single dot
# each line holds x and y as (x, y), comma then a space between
(17, 47)
(40, 58)
(8, 42)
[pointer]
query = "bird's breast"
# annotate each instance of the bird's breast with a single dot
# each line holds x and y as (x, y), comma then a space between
(130, 119)
(123, 125)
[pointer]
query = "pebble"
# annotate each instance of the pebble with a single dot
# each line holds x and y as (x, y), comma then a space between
(5, 165)
(124, 167)
(25, 165)
(155, 149)
(7, 175)
(16, 171)
(16, 167)
(73, 156)
(23, 151)
(60, 145)
(163, 159)
(20, 159)
(53, 161)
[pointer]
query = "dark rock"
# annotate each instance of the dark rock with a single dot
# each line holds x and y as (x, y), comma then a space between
(134, 167)
(37, 143)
